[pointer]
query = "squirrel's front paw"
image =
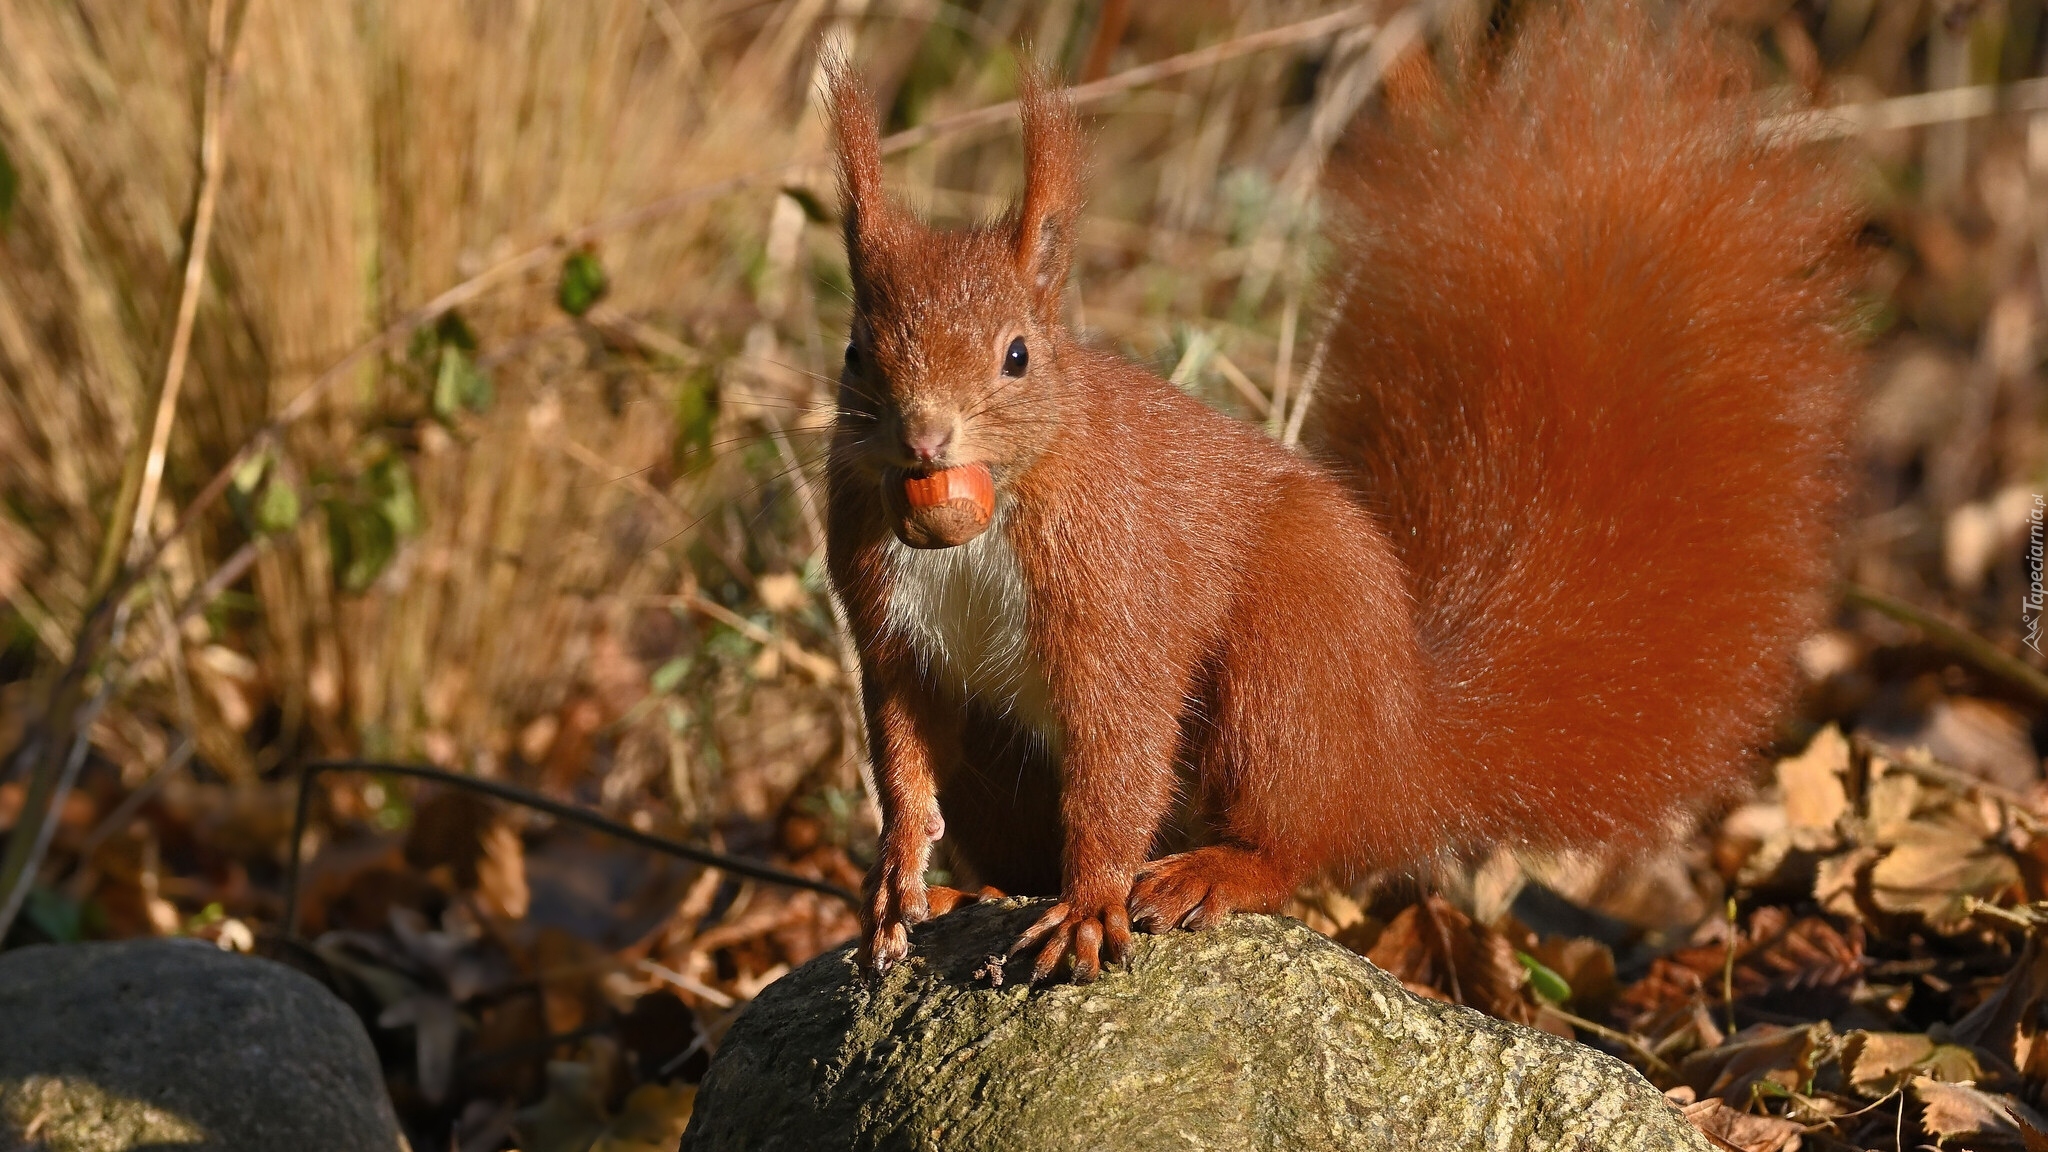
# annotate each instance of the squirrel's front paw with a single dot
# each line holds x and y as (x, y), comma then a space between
(1092, 928)
(896, 899)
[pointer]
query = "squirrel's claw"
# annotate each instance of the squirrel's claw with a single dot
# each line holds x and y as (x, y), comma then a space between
(1196, 890)
(896, 899)
(1091, 932)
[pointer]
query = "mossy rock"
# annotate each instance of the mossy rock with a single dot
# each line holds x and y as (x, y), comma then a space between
(1258, 1034)
(153, 1044)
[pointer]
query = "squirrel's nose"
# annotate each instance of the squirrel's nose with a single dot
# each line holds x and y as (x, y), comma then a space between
(927, 444)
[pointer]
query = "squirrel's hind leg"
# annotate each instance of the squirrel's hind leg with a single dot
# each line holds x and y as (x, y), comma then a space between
(1195, 889)
(943, 899)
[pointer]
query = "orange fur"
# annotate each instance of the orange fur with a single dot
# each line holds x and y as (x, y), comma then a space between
(1582, 421)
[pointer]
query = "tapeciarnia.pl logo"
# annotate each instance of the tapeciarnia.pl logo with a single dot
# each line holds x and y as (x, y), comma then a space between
(2030, 608)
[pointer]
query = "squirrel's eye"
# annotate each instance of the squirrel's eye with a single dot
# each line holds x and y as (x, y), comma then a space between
(852, 358)
(1016, 359)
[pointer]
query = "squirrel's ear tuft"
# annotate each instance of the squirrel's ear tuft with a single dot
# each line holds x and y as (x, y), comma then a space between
(858, 137)
(1051, 209)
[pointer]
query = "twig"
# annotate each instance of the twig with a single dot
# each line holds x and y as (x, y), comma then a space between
(1919, 762)
(1283, 366)
(1728, 966)
(1618, 1037)
(687, 984)
(736, 865)
(817, 667)
(233, 569)
(132, 803)
(1960, 641)
(210, 168)
(1943, 106)
(59, 750)
(1310, 378)
(1261, 406)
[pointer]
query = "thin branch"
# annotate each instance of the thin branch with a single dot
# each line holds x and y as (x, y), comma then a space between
(57, 750)
(738, 866)
(1960, 641)
(1943, 106)
(815, 666)
(210, 167)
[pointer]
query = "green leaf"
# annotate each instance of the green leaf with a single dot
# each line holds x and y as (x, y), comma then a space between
(1549, 986)
(392, 483)
(55, 915)
(278, 510)
(361, 541)
(459, 383)
(696, 416)
(583, 283)
(249, 473)
(669, 675)
(451, 328)
(814, 209)
(10, 187)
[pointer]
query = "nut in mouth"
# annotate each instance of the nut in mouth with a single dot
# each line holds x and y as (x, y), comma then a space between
(944, 508)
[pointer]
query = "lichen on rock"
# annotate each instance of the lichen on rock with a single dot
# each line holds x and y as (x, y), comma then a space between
(1257, 1034)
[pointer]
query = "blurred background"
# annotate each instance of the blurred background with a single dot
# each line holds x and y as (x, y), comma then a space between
(443, 383)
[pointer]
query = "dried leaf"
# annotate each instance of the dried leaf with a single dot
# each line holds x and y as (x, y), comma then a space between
(501, 873)
(1934, 871)
(467, 834)
(1760, 1054)
(1982, 738)
(1742, 1130)
(2013, 1008)
(1877, 1063)
(436, 1028)
(1964, 1110)
(1889, 801)
(1433, 945)
(1811, 784)
(652, 1120)
(1838, 883)
(571, 1116)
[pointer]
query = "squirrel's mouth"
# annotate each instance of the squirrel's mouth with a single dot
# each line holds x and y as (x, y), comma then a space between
(940, 508)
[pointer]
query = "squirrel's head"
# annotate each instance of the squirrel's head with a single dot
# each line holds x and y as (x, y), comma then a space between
(953, 360)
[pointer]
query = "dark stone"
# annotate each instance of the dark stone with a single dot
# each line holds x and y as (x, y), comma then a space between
(175, 1043)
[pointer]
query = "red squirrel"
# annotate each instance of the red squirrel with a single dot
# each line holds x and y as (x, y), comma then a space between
(1565, 510)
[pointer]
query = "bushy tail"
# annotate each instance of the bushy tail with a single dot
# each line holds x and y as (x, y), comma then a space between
(1592, 365)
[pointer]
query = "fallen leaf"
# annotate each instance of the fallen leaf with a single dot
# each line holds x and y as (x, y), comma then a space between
(1934, 871)
(1811, 784)
(436, 1028)
(571, 1116)
(1877, 1063)
(1433, 945)
(1742, 1130)
(1839, 881)
(2006, 1020)
(1990, 1121)
(1981, 738)
(1759, 1054)
(652, 1120)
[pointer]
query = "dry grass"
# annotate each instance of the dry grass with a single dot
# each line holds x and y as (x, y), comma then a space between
(509, 582)
(380, 153)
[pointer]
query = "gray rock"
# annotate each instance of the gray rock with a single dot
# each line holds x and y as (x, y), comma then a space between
(162, 1043)
(1259, 1034)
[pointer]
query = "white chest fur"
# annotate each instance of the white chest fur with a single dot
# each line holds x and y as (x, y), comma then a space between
(963, 610)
